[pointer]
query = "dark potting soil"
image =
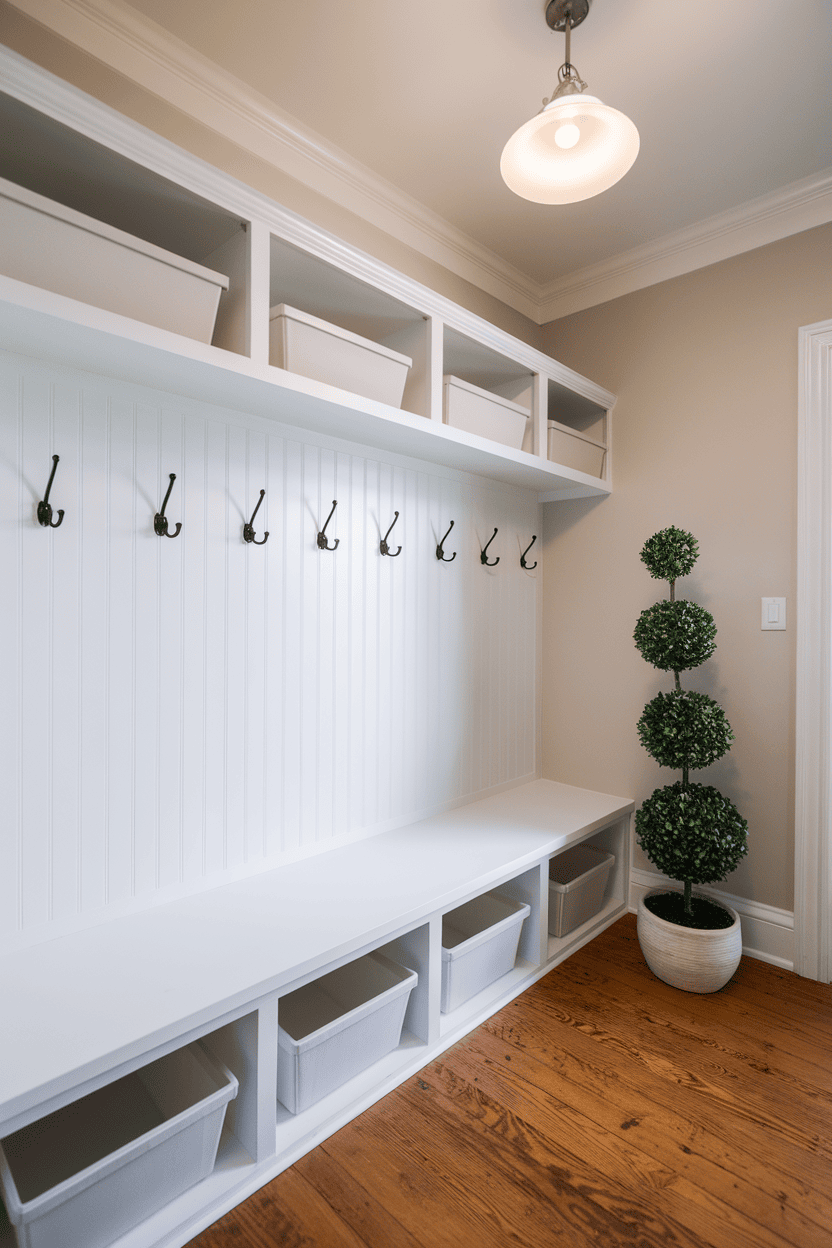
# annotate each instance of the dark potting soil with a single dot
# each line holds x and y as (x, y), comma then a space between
(707, 915)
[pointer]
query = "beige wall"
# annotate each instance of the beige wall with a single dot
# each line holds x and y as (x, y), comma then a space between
(705, 438)
(61, 58)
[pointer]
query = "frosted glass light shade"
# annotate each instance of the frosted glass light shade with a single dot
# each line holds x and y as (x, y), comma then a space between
(536, 167)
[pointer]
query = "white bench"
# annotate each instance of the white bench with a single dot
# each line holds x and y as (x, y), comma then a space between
(83, 1010)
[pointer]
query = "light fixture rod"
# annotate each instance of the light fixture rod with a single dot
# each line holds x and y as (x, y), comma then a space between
(576, 146)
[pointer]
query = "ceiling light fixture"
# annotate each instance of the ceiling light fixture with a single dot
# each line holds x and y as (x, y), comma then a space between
(576, 146)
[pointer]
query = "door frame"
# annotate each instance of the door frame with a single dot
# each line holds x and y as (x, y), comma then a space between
(813, 726)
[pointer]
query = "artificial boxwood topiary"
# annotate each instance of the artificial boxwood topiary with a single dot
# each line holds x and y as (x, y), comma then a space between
(684, 730)
(675, 636)
(669, 554)
(689, 831)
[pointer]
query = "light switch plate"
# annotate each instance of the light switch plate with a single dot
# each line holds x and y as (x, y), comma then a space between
(773, 614)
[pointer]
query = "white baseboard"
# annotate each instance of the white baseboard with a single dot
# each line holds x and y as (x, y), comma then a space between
(767, 933)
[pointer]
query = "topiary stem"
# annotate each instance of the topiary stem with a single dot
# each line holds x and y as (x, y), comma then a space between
(688, 897)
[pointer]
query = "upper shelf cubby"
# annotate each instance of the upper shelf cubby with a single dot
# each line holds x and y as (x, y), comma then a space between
(309, 284)
(141, 193)
(70, 168)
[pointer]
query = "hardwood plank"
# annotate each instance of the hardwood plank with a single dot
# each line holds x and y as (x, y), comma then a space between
(726, 1020)
(445, 1189)
(724, 1080)
(601, 1109)
(723, 1077)
(354, 1203)
(289, 1212)
(630, 1121)
(786, 998)
(627, 1097)
(610, 1170)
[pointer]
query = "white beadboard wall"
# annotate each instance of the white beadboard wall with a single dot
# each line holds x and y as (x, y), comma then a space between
(176, 713)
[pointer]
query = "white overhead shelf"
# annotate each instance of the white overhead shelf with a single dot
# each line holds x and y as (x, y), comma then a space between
(73, 150)
(53, 327)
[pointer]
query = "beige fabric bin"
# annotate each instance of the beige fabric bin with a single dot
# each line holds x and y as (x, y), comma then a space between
(478, 411)
(305, 344)
(47, 245)
(573, 450)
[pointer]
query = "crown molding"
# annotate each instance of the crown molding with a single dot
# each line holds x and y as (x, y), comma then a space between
(799, 206)
(147, 55)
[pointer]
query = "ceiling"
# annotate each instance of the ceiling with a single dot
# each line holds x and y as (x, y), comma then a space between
(731, 100)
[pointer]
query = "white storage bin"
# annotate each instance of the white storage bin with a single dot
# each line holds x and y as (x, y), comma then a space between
(479, 945)
(338, 1025)
(478, 411)
(572, 449)
(47, 245)
(86, 1174)
(577, 880)
(304, 344)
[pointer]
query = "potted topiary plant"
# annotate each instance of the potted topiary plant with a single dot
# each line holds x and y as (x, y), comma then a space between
(690, 832)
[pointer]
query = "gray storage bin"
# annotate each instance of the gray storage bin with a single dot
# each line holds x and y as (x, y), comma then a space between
(84, 1175)
(577, 880)
(335, 1027)
(479, 946)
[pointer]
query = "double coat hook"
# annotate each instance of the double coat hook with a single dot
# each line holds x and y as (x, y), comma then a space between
(45, 507)
(248, 529)
(440, 549)
(489, 563)
(160, 520)
(523, 564)
(323, 540)
(383, 547)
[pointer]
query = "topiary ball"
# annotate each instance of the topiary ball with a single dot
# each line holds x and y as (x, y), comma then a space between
(670, 554)
(674, 636)
(684, 729)
(692, 834)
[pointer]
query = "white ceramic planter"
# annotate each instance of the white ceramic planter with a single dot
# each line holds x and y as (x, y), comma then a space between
(684, 957)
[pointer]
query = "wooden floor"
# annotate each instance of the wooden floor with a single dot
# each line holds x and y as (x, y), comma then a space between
(600, 1108)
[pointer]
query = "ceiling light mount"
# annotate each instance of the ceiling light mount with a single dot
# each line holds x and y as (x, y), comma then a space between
(576, 146)
(559, 12)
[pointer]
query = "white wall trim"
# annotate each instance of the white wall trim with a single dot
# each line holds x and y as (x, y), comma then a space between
(813, 736)
(767, 933)
(157, 61)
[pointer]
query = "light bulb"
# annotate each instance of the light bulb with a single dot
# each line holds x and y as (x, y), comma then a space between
(567, 136)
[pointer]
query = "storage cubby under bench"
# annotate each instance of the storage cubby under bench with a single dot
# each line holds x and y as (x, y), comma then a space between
(85, 1010)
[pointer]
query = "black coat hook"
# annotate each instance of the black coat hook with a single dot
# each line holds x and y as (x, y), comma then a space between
(383, 547)
(248, 529)
(323, 542)
(489, 563)
(160, 520)
(523, 563)
(440, 549)
(45, 507)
